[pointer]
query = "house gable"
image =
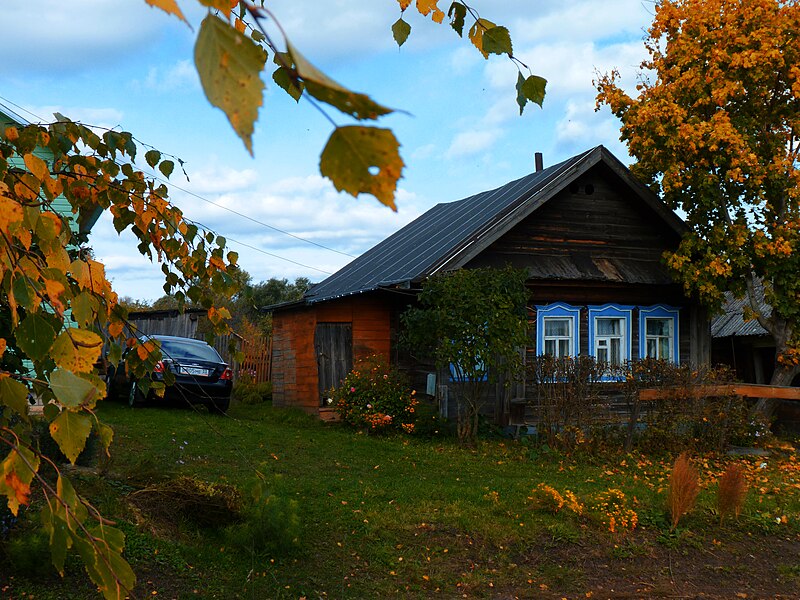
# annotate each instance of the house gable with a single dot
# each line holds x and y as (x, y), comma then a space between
(594, 229)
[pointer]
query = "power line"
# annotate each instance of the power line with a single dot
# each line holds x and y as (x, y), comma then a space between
(242, 215)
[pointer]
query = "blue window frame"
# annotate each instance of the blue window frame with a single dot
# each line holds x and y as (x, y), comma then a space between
(658, 332)
(610, 333)
(557, 330)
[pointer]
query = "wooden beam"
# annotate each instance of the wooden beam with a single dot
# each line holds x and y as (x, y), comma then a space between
(748, 390)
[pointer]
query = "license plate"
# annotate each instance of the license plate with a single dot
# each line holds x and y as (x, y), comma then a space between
(194, 371)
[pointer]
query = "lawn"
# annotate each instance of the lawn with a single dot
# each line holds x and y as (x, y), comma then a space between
(351, 515)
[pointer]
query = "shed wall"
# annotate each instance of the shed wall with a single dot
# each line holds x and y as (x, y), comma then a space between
(295, 378)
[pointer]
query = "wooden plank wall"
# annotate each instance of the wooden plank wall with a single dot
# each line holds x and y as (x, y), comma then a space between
(294, 362)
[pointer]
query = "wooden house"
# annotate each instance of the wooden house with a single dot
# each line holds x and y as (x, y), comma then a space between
(80, 223)
(591, 238)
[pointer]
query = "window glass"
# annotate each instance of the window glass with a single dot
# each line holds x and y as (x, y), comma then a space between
(178, 350)
(556, 327)
(609, 326)
(659, 338)
(557, 336)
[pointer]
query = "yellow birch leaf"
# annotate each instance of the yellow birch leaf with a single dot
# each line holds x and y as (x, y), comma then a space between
(76, 350)
(70, 430)
(325, 89)
(54, 186)
(404, 4)
(168, 6)
(229, 65)
(10, 213)
(58, 259)
(37, 166)
(116, 328)
(217, 262)
(363, 160)
(476, 34)
(425, 7)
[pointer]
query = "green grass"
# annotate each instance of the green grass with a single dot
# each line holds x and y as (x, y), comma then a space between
(389, 515)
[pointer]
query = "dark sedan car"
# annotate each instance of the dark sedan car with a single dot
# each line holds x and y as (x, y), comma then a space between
(201, 376)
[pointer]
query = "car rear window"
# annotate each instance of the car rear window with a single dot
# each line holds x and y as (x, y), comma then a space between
(187, 350)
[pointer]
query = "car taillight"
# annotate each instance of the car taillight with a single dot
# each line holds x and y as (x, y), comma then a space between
(226, 374)
(159, 368)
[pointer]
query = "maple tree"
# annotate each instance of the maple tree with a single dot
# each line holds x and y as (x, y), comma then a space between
(714, 128)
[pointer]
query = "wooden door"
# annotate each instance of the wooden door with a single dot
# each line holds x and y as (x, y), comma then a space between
(333, 343)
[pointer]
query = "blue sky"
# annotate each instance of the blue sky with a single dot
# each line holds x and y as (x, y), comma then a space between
(123, 64)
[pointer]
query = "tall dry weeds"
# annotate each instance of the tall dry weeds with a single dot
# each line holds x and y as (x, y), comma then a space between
(731, 491)
(684, 485)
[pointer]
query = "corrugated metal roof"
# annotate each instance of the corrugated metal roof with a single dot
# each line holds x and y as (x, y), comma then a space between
(731, 322)
(449, 234)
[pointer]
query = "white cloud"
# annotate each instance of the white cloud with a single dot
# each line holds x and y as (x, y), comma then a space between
(59, 37)
(182, 75)
(472, 142)
(307, 207)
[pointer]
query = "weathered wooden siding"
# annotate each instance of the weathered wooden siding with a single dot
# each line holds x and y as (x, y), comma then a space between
(295, 374)
(593, 230)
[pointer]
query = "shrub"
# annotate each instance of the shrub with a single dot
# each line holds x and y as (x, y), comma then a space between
(611, 509)
(731, 491)
(270, 522)
(376, 397)
(249, 392)
(684, 485)
(547, 498)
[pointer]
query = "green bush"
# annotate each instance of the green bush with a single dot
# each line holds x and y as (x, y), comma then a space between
(270, 522)
(376, 397)
(250, 392)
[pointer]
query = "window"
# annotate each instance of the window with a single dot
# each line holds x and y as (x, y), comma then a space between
(557, 330)
(609, 340)
(658, 333)
(558, 336)
(609, 333)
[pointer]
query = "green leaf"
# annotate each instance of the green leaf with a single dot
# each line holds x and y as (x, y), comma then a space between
(457, 14)
(166, 167)
(60, 540)
(70, 430)
(325, 89)
(294, 87)
(401, 30)
(152, 157)
(497, 40)
(105, 434)
(363, 160)
(14, 395)
(532, 88)
(84, 308)
(229, 65)
(71, 390)
(35, 336)
(23, 291)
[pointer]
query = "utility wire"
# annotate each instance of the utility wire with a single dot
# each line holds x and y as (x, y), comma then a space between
(223, 207)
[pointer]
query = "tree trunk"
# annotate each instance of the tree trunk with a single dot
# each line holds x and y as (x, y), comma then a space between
(783, 375)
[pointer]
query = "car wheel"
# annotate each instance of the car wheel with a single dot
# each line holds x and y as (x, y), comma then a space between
(136, 397)
(220, 407)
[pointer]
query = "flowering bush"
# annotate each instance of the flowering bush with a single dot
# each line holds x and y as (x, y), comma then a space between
(547, 498)
(375, 396)
(611, 509)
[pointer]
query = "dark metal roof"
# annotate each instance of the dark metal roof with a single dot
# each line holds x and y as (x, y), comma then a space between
(450, 234)
(732, 322)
